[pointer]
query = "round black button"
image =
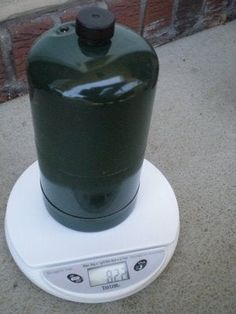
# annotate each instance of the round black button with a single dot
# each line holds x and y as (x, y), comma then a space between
(95, 25)
(140, 265)
(75, 278)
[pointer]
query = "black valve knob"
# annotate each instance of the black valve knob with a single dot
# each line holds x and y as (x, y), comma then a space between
(95, 25)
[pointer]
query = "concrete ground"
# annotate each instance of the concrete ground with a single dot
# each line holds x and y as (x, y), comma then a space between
(193, 142)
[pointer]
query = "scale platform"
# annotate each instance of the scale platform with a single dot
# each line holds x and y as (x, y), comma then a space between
(99, 266)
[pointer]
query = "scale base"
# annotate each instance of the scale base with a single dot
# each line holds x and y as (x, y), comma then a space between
(48, 253)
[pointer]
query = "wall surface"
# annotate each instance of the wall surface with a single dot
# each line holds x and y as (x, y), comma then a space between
(11, 8)
(159, 21)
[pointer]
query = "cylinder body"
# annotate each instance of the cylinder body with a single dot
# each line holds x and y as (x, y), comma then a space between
(91, 108)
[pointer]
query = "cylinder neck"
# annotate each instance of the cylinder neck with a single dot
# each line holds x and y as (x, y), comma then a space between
(95, 26)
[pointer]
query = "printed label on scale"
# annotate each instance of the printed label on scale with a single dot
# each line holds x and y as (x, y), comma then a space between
(124, 271)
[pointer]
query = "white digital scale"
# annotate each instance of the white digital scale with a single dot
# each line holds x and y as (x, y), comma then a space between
(97, 266)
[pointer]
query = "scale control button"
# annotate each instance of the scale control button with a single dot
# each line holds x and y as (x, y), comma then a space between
(140, 265)
(75, 278)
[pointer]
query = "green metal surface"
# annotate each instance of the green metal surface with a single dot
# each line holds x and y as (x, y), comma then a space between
(91, 109)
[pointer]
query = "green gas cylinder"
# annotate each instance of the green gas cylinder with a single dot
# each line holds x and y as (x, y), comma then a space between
(92, 84)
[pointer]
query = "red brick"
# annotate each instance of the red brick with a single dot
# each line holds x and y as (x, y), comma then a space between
(158, 15)
(231, 10)
(8, 93)
(3, 94)
(187, 15)
(215, 12)
(23, 34)
(212, 6)
(126, 12)
(68, 14)
(2, 71)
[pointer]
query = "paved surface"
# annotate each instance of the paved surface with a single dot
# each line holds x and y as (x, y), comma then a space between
(193, 142)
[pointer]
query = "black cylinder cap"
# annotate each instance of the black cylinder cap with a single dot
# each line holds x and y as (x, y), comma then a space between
(95, 25)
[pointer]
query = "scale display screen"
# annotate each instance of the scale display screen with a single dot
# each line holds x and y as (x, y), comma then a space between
(108, 274)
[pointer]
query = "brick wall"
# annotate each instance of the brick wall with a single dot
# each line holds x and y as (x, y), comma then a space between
(159, 21)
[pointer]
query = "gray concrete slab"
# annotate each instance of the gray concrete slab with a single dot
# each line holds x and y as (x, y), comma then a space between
(193, 142)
